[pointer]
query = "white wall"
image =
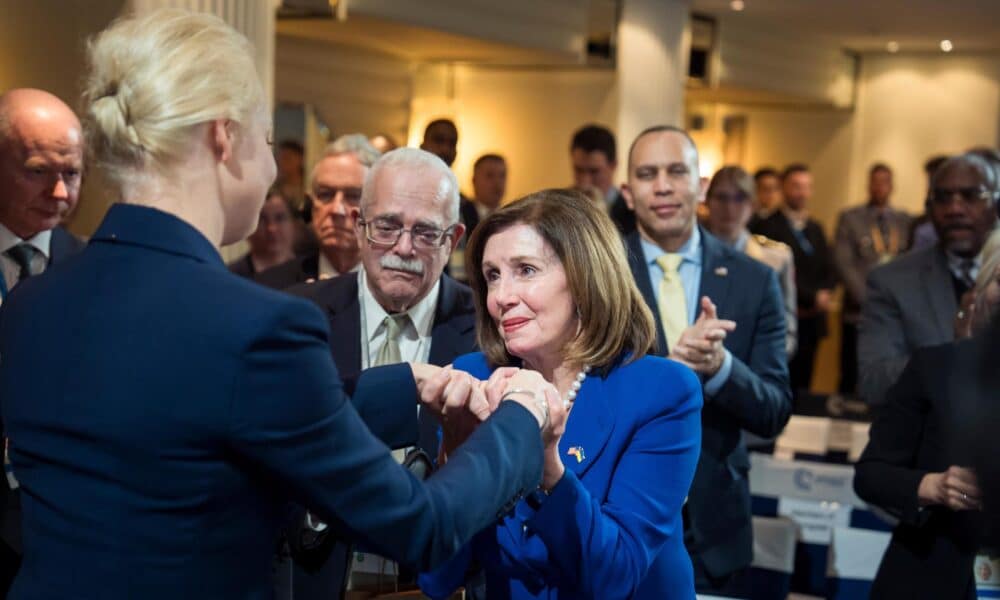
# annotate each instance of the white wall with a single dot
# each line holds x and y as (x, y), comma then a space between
(353, 90)
(911, 107)
(527, 116)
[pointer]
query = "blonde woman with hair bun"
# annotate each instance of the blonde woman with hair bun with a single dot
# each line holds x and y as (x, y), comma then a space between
(161, 411)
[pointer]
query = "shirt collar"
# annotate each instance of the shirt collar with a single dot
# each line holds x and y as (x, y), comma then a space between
(955, 264)
(741, 241)
(797, 218)
(40, 241)
(421, 314)
(326, 270)
(690, 252)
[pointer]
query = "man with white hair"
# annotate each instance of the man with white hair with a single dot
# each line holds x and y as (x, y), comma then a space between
(399, 307)
(334, 194)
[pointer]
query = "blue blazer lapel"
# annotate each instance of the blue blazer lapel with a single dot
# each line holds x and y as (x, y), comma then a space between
(640, 272)
(590, 425)
(715, 275)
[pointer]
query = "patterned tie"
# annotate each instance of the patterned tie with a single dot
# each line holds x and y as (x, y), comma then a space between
(965, 273)
(389, 353)
(672, 303)
(22, 254)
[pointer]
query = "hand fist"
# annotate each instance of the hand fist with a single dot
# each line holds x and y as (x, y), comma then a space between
(700, 345)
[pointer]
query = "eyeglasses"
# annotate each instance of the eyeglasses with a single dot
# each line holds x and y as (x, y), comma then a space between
(969, 195)
(325, 195)
(386, 233)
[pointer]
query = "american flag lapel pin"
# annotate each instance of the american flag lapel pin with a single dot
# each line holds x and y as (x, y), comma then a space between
(721, 271)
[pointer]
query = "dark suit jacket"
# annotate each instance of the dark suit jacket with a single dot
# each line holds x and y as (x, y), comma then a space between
(243, 266)
(622, 215)
(813, 271)
(756, 397)
(932, 550)
(297, 270)
(187, 405)
(453, 332)
(910, 304)
(469, 214)
(62, 245)
(320, 571)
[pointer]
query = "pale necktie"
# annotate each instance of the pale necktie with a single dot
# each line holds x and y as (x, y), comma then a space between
(672, 303)
(389, 353)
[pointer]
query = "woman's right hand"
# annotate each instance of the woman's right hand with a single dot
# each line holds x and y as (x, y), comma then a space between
(957, 488)
(552, 425)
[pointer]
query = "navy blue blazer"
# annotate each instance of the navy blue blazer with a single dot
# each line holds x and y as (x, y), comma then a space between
(62, 245)
(185, 406)
(756, 397)
(612, 527)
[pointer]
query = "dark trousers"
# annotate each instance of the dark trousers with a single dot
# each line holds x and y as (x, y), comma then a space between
(800, 368)
(731, 584)
(848, 358)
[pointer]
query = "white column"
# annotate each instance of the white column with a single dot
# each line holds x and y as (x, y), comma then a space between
(253, 18)
(652, 63)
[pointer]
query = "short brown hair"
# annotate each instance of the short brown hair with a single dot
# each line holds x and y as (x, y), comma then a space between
(615, 323)
(736, 176)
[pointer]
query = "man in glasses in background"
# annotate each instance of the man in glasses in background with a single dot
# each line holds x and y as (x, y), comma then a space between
(398, 307)
(917, 300)
(334, 192)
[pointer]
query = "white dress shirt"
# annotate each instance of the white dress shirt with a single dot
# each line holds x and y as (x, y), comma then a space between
(414, 340)
(9, 269)
(326, 269)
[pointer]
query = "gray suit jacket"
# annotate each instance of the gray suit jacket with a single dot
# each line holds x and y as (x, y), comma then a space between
(910, 304)
(856, 250)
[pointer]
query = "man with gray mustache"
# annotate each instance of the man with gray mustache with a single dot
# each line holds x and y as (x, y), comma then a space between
(398, 307)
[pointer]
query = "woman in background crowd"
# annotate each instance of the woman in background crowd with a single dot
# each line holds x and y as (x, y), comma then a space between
(913, 468)
(271, 243)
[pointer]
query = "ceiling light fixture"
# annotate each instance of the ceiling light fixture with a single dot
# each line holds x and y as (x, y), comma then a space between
(946, 45)
(892, 47)
(737, 5)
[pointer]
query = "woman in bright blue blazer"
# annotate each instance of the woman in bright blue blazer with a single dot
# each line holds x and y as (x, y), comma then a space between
(553, 293)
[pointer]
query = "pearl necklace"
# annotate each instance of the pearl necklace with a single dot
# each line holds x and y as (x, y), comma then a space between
(575, 386)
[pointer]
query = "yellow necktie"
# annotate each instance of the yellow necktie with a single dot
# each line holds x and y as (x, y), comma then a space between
(672, 303)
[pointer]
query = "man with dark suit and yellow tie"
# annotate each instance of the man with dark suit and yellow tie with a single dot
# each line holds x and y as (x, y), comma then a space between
(41, 161)
(399, 307)
(720, 312)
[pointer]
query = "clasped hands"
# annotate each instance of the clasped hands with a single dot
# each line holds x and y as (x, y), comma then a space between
(700, 345)
(462, 402)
